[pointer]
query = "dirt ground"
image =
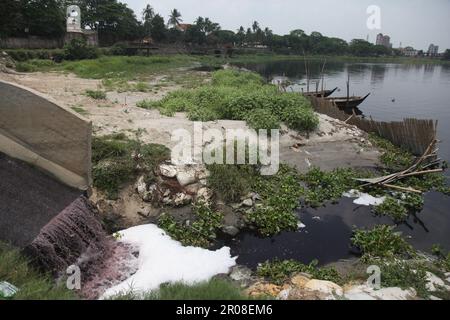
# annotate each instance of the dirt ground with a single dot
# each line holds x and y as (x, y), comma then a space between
(334, 144)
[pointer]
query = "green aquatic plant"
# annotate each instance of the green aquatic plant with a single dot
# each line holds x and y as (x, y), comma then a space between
(279, 271)
(393, 208)
(280, 196)
(198, 233)
(381, 242)
(393, 157)
(325, 186)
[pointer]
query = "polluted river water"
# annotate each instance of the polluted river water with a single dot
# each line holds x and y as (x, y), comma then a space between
(397, 92)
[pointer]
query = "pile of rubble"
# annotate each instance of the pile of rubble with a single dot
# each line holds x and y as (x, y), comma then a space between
(175, 185)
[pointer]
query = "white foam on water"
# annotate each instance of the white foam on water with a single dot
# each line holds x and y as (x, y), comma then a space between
(162, 259)
(364, 199)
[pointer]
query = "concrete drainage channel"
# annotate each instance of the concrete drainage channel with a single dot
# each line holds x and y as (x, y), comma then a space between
(45, 171)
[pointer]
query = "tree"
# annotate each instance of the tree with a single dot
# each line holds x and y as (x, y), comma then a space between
(113, 20)
(174, 18)
(240, 35)
(255, 26)
(148, 13)
(158, 28)
(147, 16)
(44, 18)
(360, 47)
(446, 54)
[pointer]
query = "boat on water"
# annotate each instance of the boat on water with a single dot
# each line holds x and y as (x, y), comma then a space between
(347, 102)
(320, 94)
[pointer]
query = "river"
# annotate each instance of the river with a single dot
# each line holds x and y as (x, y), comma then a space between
(397, 91)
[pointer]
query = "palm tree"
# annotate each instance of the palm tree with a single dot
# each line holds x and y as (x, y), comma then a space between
(175, 18)
(255, 26)
(148, 13)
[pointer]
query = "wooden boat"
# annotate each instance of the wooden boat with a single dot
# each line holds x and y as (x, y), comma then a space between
(318, 94)
(347, 103)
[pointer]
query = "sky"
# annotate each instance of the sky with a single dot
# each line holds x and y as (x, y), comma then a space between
(415, 23)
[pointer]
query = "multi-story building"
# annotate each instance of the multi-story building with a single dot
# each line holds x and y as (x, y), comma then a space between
(409, 52)
(383, 40)
(433, 50)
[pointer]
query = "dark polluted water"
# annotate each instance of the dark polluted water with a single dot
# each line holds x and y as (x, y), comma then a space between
(327, 232)
(397, 91)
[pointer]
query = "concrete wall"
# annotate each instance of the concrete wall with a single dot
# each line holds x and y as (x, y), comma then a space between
(30, 43)
(37, 130)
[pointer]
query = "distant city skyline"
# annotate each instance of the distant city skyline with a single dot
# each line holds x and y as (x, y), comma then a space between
(415, 23)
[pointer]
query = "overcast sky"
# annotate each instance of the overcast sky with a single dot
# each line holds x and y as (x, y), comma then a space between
(412, 22)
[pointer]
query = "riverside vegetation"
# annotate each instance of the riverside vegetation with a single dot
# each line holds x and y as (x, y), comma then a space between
(238, 95)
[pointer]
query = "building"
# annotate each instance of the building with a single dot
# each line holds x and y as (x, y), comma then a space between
(183, 27)
(433, 51)
(383, 40)
(409, 52)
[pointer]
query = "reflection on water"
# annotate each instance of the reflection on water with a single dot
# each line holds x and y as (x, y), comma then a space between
(397, 91)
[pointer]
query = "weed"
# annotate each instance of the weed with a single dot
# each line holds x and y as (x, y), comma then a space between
(16, 269)
(215, 289)
(118, 159)
(381, 242)
(96, 94)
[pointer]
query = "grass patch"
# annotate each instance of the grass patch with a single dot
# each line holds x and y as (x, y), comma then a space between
(214, 289)
(118, 159)
(381, 242)
(16, 269)
(198, 233)
(96, 94)
(237, 95)
(278, 272)
(80, 110)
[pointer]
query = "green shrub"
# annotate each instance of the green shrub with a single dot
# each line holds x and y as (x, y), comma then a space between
(233, 78)
(230, 182)
(78, 49)
(96, 94)
(278, 272)
(262, 119)
(237, 95)
(118, 49)
(404, 275)
(381, 242)
(25, 67)
(109, 175)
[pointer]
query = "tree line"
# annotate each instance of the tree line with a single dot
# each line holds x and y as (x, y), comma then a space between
(116, 22)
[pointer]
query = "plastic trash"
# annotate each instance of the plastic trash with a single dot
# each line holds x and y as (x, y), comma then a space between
(7, 290)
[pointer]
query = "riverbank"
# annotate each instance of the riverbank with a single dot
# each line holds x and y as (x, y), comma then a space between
(266, 205)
